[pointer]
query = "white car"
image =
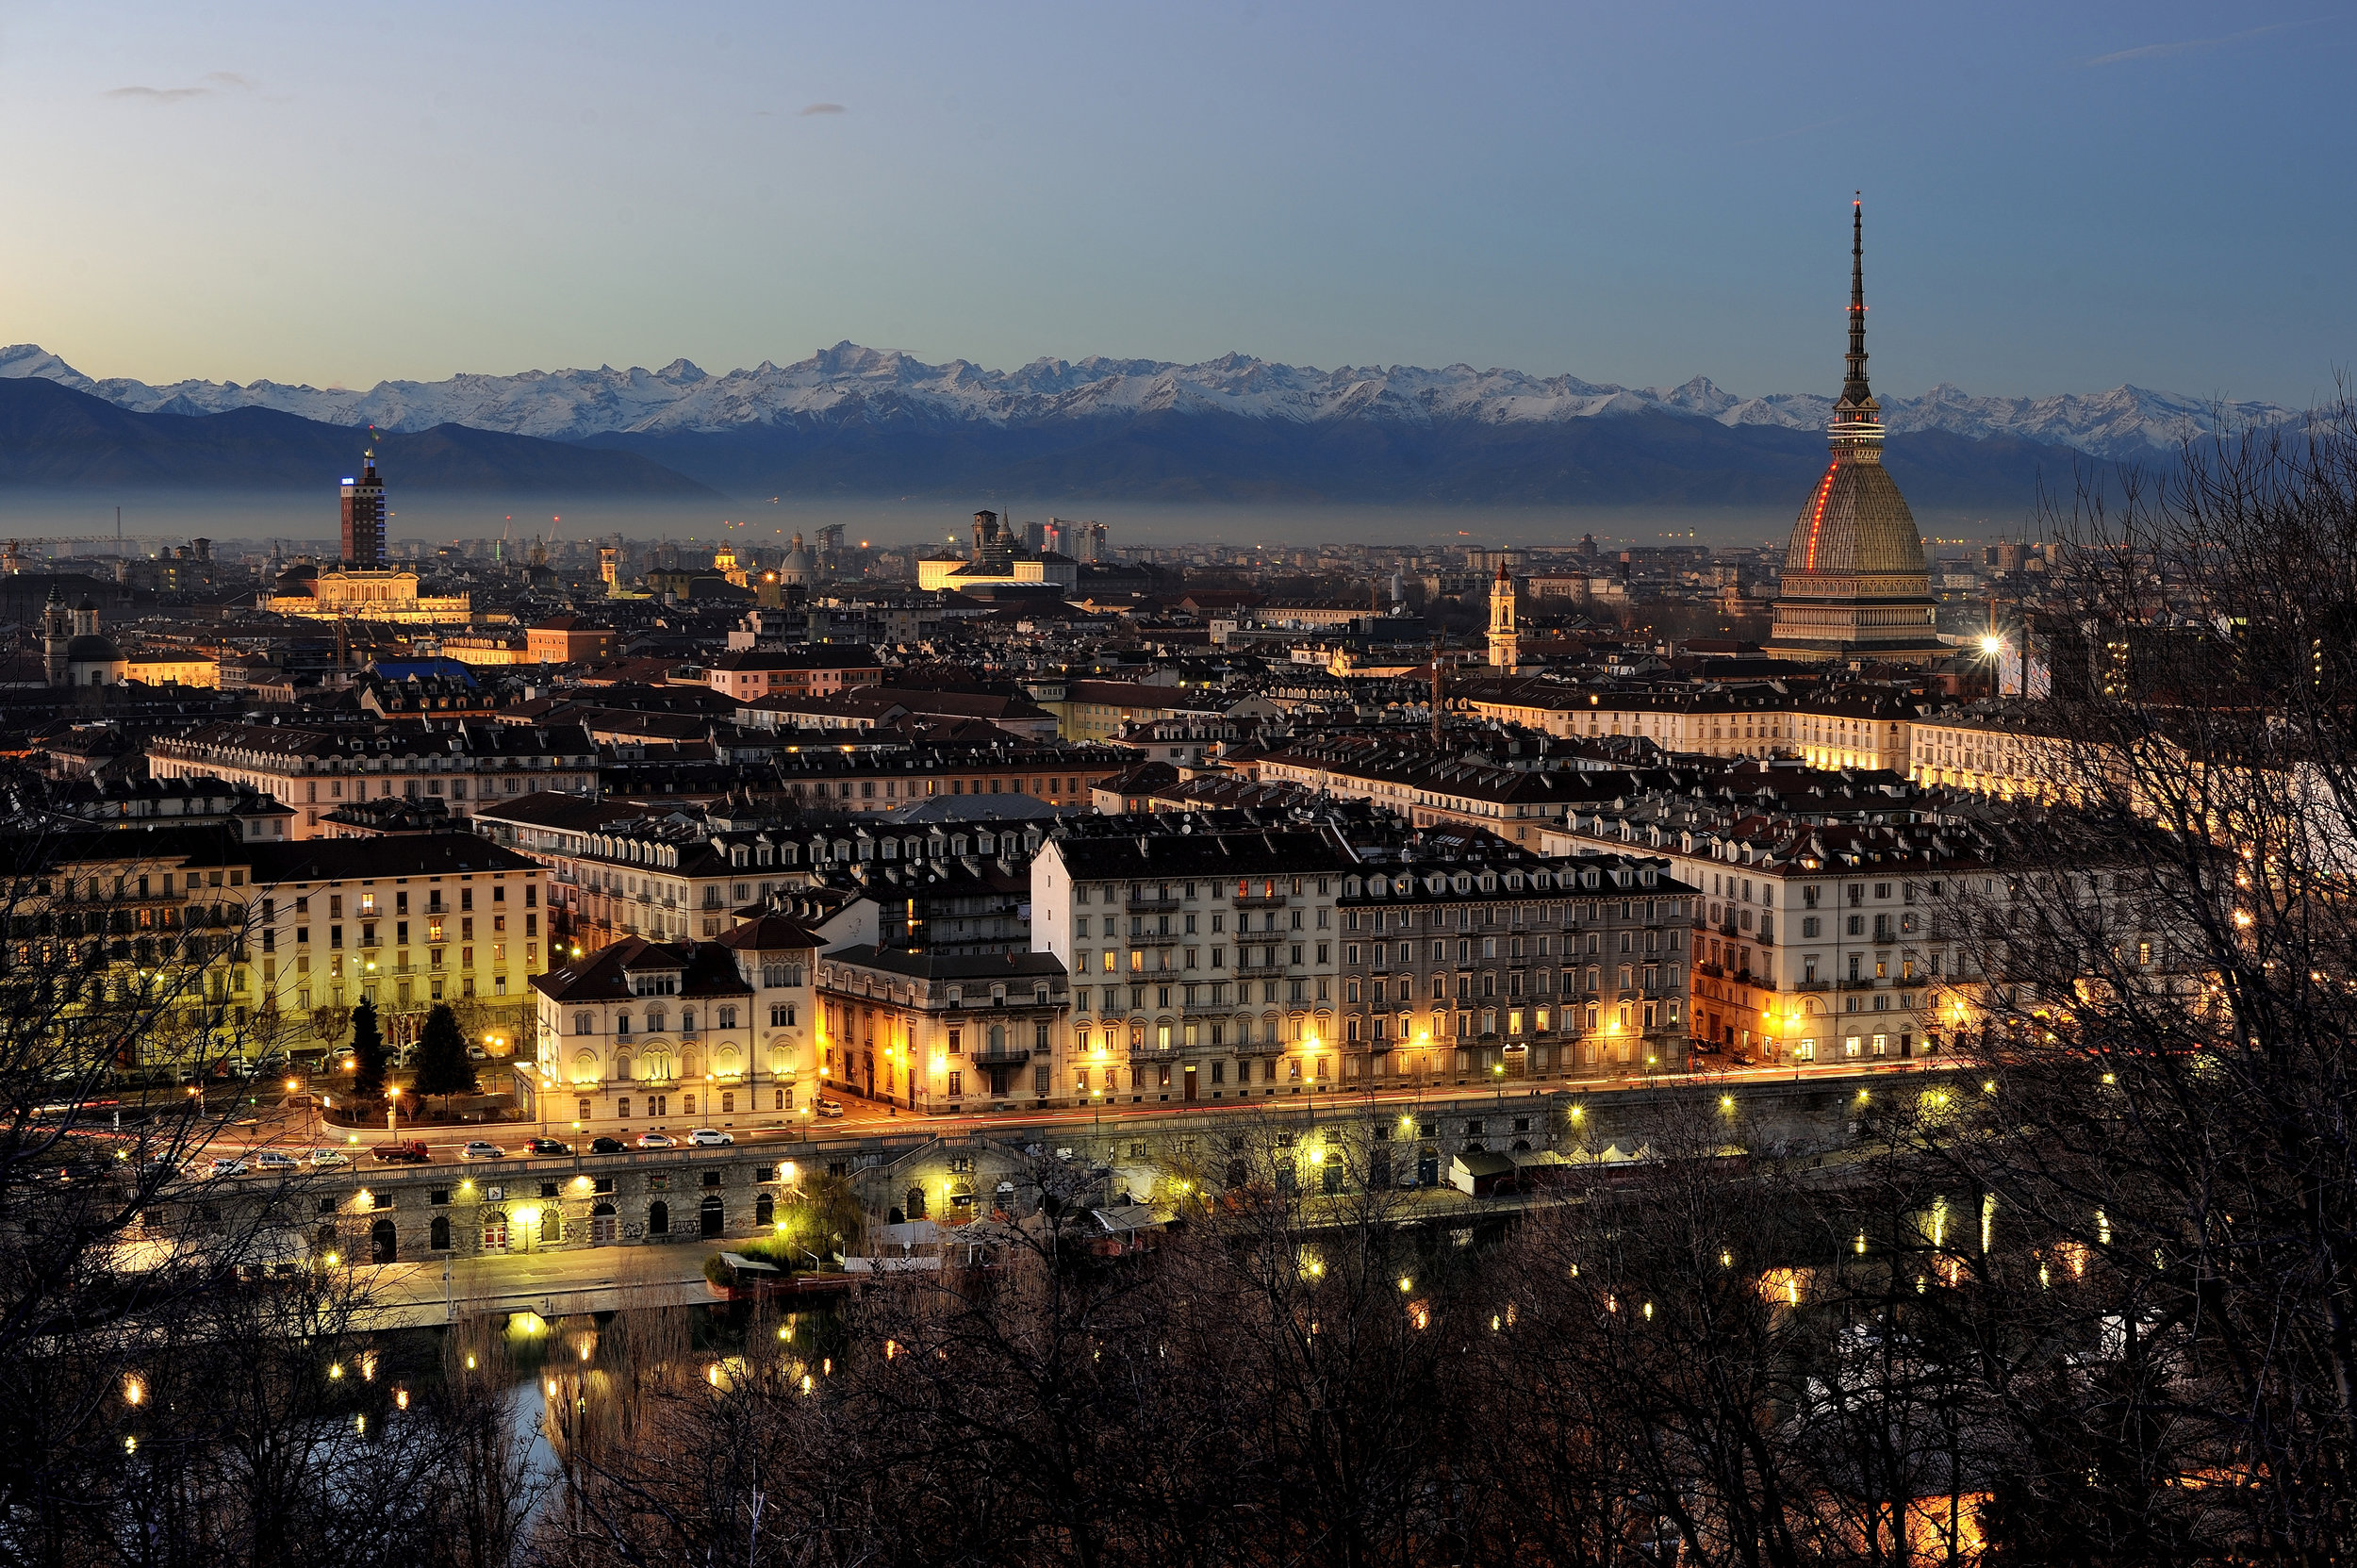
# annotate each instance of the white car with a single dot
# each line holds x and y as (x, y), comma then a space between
(830, 1108)
(272, 1158)
(710, 1137)
(330, 1157)
(229, 1167)
(482, 1149)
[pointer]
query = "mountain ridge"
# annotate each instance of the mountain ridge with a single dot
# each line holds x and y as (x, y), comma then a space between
(848, 386)
(55, 437)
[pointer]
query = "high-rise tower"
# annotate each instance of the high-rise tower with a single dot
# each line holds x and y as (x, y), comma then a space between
(363, 517)
(1854, 581)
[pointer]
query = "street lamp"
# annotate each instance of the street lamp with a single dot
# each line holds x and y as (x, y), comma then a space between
(392, 1108)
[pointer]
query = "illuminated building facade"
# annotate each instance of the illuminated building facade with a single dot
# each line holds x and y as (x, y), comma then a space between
(1496, 963)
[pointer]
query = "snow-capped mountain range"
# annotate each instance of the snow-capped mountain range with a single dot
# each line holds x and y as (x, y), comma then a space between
(848, 384)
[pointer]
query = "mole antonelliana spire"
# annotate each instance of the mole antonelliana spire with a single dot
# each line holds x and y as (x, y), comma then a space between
(1855, 586)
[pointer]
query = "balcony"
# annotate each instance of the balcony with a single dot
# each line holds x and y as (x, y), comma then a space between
(1010, 1056)
(1261, 900)
(1154, 905)
(1812, 985)
(1859, 984)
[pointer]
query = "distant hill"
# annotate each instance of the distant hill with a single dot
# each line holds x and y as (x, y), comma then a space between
(1647, 458)
(54, 437)
(851, 422)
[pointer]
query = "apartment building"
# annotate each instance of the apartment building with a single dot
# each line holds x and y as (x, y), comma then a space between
(314, 767)
(1815, 942)
(404, 921)
(1467, 960)
(649, 1034)
(1712, 720)
(1201, 952)
(815, 669)
(2004, 753)
(1513, 799)
(617, 871)
(942, 1033)
(277, 942)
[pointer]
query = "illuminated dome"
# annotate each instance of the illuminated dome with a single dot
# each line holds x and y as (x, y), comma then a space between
(1854, 581)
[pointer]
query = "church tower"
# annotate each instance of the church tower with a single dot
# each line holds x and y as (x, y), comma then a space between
(56, 634)
(1506, 644)
(1855, 584)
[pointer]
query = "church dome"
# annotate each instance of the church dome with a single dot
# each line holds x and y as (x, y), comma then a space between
(93, 649)
(1855, 524)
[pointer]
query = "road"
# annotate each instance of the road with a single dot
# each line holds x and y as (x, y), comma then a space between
(298, 1128)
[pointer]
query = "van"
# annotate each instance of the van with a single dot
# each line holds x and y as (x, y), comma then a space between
(272, 1158)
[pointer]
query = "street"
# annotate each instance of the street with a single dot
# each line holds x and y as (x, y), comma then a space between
(297, 1129)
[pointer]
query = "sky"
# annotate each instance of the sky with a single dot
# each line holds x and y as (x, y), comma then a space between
(2058, 198)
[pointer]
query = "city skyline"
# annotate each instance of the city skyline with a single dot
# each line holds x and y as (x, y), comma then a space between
(1633, 199)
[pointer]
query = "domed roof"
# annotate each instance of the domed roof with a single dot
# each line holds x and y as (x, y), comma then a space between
(91, 648)
(1854, 524)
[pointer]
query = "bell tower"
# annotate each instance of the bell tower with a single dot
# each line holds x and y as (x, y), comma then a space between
(57, 632)
(1505, 650)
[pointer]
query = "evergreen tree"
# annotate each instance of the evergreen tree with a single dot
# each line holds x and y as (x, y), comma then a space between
(367, 1050)
(442, 1064)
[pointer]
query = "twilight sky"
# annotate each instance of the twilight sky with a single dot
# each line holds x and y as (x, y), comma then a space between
(2058, 197)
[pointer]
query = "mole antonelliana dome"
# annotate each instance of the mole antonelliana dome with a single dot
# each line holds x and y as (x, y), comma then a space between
(1854, 580)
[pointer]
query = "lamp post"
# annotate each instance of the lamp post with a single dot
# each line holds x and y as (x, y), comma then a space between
(392, 1109)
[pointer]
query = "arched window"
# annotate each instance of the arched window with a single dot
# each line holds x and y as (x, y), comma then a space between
(383, 1243)
(687, 1020)
(438, 1233)
(728, 1017)
(654, 1021)
(495, 1230)
(917, 1203)
(621, 1023)
(621, 1067)
(551, 1223)
(692, 1064)
(711, 1215)
(658, 1218)
(765, 1210)
(585, 1023)
(998, 1039)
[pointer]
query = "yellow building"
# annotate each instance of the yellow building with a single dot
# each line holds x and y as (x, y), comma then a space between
(357, 594)
(171, 669)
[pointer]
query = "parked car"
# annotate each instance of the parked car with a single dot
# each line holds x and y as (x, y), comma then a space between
(830, 1108)
(403, 1151)
(710, 1137)
(229, 1167)
(330, 1157)
(547, 1146)
(657, 1140)
(275, 1159)
(606, 1146)
(482, 1148)
(476, 1053)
